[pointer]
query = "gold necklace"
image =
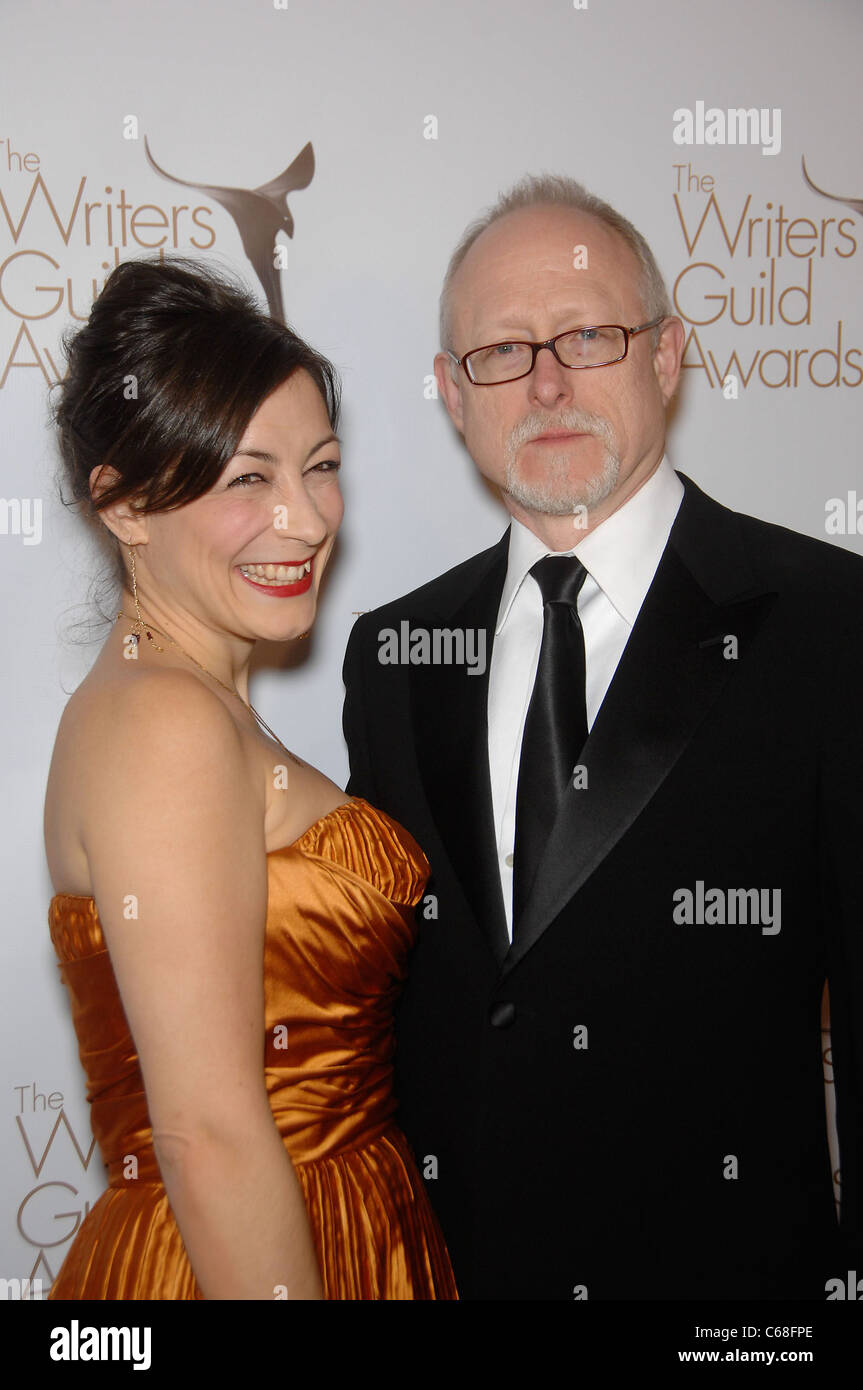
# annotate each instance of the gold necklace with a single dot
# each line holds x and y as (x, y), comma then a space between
(139, 625)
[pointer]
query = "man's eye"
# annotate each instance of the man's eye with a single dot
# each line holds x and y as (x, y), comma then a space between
(504, 349)
(588, 335)
(244, 479)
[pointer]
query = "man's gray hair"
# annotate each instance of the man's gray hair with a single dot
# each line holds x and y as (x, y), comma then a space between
(558, 190)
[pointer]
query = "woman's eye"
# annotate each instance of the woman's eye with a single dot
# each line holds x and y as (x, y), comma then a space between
(244, 479)
(327, 465)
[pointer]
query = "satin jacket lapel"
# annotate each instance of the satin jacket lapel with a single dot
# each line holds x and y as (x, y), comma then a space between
(449, 707)
(671, 671)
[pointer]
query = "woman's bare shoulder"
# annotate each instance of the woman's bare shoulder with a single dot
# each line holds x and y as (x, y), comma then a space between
(120, 735)
(153, 708)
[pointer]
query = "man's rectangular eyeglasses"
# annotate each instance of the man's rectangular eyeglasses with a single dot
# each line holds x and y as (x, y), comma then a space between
(577, 347)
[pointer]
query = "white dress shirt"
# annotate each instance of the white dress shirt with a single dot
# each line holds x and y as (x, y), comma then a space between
(620, 556)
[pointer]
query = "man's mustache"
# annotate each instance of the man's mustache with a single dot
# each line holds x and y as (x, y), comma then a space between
(578, 421)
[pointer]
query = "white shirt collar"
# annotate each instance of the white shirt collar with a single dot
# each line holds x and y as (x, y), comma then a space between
(621, 554)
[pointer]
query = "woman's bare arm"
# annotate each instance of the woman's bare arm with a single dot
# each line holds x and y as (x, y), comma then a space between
(175, 842)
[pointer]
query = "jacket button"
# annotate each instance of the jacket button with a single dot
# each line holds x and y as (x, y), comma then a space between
(502, 1014)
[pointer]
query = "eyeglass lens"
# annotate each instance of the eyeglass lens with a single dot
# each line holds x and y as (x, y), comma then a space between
(583, 347)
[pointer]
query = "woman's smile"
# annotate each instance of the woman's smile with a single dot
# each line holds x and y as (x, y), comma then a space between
(279, 580)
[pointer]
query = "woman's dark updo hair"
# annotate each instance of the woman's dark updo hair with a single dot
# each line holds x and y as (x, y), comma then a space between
(163, 380)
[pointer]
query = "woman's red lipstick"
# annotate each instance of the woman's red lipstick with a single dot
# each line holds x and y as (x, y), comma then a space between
(299, 586)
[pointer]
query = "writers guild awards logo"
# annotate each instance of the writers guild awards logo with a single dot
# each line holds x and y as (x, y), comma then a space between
(260, 214)
(855, 204)
(51, 1212)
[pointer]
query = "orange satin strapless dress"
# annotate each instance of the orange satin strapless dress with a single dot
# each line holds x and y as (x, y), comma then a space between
(339, 926)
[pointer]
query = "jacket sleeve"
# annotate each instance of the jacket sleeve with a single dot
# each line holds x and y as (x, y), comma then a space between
(841, 892)
(354, 722)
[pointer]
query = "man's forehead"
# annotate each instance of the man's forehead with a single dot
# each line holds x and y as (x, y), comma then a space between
(545, 233)
(535, 255)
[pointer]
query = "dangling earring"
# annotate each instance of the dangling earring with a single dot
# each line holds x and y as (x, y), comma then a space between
(131, 550)
(139, 626)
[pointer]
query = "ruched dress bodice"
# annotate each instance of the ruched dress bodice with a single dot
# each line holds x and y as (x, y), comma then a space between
(339, 928)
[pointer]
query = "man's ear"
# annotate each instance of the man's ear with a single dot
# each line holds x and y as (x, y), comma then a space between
(668, 355)
(123, 519)
(449, 389)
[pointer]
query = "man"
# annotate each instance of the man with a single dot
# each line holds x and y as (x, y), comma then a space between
(642, 816)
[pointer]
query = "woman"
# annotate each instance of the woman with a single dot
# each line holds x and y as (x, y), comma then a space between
(232, 929)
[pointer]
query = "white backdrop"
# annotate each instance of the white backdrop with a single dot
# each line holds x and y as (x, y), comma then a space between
(418, 115)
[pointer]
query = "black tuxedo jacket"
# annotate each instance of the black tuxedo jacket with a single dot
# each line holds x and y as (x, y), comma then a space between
(624, 1105)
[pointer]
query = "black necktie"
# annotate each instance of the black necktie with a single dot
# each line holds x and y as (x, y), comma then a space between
(555, 729)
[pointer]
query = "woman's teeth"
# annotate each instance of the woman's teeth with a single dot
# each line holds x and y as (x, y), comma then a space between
(276, 574)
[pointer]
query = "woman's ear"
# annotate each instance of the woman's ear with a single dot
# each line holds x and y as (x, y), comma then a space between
(123, 519)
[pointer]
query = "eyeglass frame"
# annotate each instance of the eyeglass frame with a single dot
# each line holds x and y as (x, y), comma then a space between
(549, 343)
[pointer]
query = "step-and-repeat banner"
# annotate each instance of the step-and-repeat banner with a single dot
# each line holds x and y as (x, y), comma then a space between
(332, 153)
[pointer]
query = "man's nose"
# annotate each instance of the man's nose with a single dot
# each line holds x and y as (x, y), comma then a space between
(550, 382)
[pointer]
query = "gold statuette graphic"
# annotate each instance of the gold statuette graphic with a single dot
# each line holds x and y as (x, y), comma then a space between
(855, 204)
(260, 214)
